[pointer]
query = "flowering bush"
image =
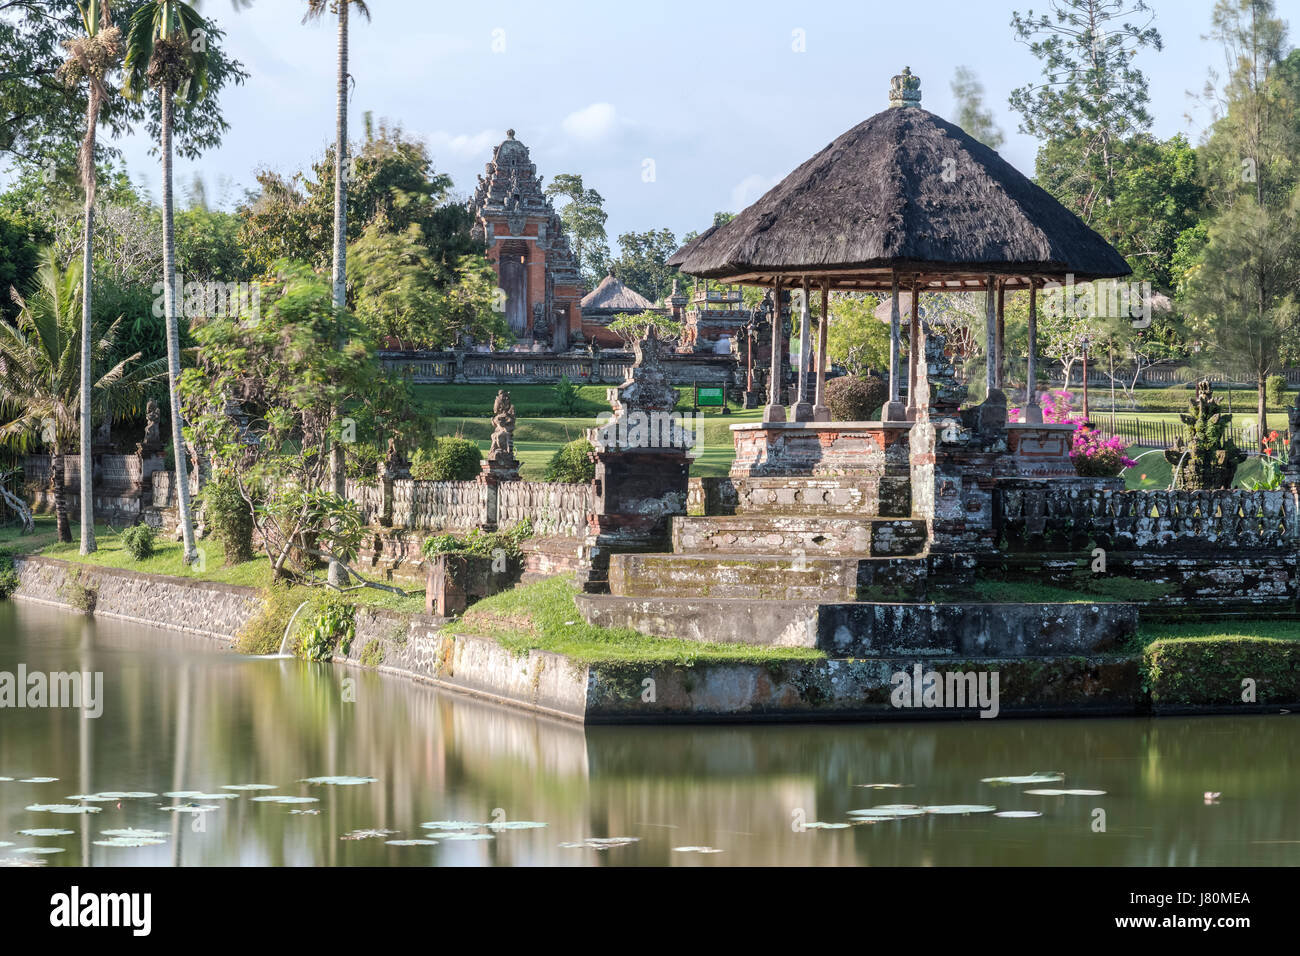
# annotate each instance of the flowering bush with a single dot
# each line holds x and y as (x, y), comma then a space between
(1277, 454)
(1097, 457)
(1058, 408)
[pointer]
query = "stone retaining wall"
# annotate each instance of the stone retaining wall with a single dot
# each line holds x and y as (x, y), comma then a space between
(205, 608)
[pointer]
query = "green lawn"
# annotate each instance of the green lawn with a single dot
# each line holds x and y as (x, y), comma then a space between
(543, 616)
(1224, 630)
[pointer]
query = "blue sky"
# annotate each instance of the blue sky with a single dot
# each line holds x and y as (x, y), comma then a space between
(712, 91)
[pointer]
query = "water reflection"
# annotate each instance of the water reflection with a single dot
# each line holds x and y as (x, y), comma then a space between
(180, 716)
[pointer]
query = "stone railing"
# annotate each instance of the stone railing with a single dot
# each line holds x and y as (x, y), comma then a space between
(555, 509)
(505, 368)
(368, 496)
(439, 505)
(1064, 515)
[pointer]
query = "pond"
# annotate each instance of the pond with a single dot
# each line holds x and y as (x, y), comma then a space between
(473, 782)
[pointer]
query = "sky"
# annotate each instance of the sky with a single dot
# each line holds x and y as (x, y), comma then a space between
(672, 110)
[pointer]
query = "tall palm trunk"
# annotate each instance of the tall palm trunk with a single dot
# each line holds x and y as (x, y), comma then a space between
(87, 265)
(337, 575)
(173, 331)
(58, 487)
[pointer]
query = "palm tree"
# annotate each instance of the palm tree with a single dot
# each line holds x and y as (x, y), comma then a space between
(166, 49)
(316, 9)
(40, 374)
(90, 57)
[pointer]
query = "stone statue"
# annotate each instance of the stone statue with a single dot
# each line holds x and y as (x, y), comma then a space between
(1293, 434)
(1205, 458)
(152, 417)
(503, 427)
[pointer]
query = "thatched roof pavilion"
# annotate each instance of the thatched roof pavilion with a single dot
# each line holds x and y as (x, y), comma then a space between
(904, 198)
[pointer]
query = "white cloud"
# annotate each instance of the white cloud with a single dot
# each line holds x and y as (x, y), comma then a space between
(750, 188)
(464, 146)
(591, 122)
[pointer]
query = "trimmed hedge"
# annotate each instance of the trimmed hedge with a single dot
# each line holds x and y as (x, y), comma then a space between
(572, 463)
(853, 399)
(1210, 670)
(450, 459)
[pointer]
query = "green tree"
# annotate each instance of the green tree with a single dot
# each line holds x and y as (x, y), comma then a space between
(855, 338)
(640, 262)
(584, 223)
(968, 92)
(1242, 292)
(1091, 89)
(40, 374)
(91, 57)
(167, 51)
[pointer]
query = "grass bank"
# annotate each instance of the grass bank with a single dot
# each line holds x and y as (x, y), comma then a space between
(543, 616)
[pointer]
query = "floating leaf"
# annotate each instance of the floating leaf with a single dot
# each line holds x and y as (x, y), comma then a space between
(39, 780)
(696, 849)
(20, 861)
(248, 786)
(888, 812)
(1050, 792)
(818, 825)
(1054, 776)
(459, 835)
(39, 850)
(517, 825)
(182, 794)
(367, 834)
(7, 843)
(191, 808)
(286, 798)
(123, 795)
(411, 842)
(134, 833)
(960, 808)
(312, 812)
(1017, 814)
(63, 808)
(884, 786)
(339, 781)
(43, 832)
(129, 841)
(92, 798)
(601, 843)
(453, 825)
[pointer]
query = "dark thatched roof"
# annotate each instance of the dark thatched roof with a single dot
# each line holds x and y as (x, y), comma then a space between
(904, 189)
(615, 296)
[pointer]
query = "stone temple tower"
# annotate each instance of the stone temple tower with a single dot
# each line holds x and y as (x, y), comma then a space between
(527, 246)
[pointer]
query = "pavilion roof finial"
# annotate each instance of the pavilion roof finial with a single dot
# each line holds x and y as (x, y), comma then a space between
(905, 89)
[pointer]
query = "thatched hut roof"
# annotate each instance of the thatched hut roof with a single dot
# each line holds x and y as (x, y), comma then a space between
(614, 296)
(903, 190)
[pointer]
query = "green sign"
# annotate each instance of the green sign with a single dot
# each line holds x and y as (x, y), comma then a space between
(709, 395)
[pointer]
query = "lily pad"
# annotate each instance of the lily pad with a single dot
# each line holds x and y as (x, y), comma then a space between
(248, 786)
(311, 812)
(601, 843)
(39, 780)
(884, 786)
(819, 825)
(888, 812)
(286, 798)
(339, 781)
(92, 798)
(123, 795)
(43, 832)
(39, 850)
(517, 825)
(459, 835)
(1017, 814)
(63, 808)
(411, 842)
(134, 833)
(367, 834)
(962, 808)
(20, 861)
(182, 794)
(1054, 776)
(696, 849)
(1050, 792)
(453, 825)
(130, 842)
(7, 843)
(191, 808)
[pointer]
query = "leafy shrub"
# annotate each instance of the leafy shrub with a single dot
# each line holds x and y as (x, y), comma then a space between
(8, 576)
(335, 625)
(571, 463)
(566, 396)
(264, 631)
(1275, 391)
(480, 543)
(140, 541)
(80, 595)
(230, 518)
(361, 462)
(450, 459)
(854, 399)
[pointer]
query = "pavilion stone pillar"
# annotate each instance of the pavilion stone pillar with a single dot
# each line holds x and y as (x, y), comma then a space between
(803, 410)
(913, 349)
(894, 410)
(1000, 370)
(821, 413)
(990, 335)
(775, 410)
(1033, 412)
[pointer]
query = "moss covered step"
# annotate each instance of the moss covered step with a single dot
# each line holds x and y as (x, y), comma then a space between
(790, 534)
(776, 577)
(861, 629)
(845, 495)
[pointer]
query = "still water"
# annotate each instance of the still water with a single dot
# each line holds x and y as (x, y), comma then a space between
(182, 716)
